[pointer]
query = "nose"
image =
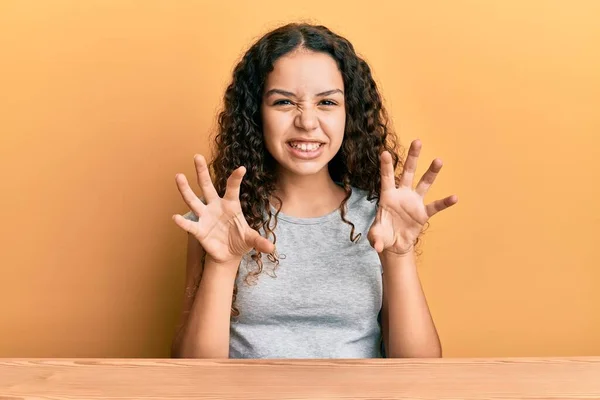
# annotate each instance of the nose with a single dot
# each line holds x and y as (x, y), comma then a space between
(307, 119)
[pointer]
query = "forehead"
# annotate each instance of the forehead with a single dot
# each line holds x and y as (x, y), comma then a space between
(305, 71)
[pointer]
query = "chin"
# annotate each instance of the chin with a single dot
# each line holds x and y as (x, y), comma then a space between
(305, 169)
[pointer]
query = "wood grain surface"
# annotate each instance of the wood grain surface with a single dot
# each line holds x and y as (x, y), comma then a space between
(510, 378)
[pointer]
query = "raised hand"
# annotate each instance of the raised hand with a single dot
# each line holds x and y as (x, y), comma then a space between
(221, 229)
(402, 212)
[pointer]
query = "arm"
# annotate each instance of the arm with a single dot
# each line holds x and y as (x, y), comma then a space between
(220, 231)
(204, 328)
(408, 328)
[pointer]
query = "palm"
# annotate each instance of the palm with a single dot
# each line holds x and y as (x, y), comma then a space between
(402, 212)
(221, 229)
(214, 229)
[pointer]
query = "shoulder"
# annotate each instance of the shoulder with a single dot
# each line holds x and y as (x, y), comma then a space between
(360, 205)
(191, 216)
(360, 198)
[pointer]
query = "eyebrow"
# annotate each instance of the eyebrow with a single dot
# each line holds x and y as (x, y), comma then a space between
(290, 94)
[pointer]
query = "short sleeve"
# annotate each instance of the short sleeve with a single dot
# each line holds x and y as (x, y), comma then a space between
(191, 216)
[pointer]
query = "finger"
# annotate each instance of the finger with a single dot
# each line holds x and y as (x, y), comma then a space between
(233, 184)
(429, 177)
(186, 224)
(204, 181)
(190, 198)
(260, 243)
(374, 239)
(371, 239)
(439, 205)
(377, 244)
(387, 172)
(410, 164)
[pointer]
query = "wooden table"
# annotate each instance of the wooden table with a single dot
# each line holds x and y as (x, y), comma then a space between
(510, 378)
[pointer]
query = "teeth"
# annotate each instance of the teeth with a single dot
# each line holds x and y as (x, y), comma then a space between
(305, 146)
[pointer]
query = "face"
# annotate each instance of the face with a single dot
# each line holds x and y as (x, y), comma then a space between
(303, 112)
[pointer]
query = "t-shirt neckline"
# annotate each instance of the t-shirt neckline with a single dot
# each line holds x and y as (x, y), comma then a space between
(313, 220)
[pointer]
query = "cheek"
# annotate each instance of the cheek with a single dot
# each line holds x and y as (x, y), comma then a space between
(274, 128)
(335, 126)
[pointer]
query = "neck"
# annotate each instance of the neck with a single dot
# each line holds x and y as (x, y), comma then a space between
(308, 196)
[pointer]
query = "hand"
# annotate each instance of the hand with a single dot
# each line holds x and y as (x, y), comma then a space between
(402, 213)
(221, 229)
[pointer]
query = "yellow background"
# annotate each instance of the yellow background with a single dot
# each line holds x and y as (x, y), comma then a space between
(102, 102)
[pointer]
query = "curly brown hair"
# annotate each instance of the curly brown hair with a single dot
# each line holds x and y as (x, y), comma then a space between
(239, 139)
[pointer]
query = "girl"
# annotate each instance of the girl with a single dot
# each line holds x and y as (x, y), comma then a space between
(303, 243)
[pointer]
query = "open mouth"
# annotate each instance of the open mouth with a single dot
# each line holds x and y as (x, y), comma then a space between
(306, 147)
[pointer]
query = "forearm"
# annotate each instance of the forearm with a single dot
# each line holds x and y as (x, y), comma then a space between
(206, 331)
(410, 328)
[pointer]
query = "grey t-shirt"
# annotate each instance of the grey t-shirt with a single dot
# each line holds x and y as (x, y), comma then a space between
(325, 298)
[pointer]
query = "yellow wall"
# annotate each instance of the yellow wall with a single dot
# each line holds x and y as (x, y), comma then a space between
(102, 102)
